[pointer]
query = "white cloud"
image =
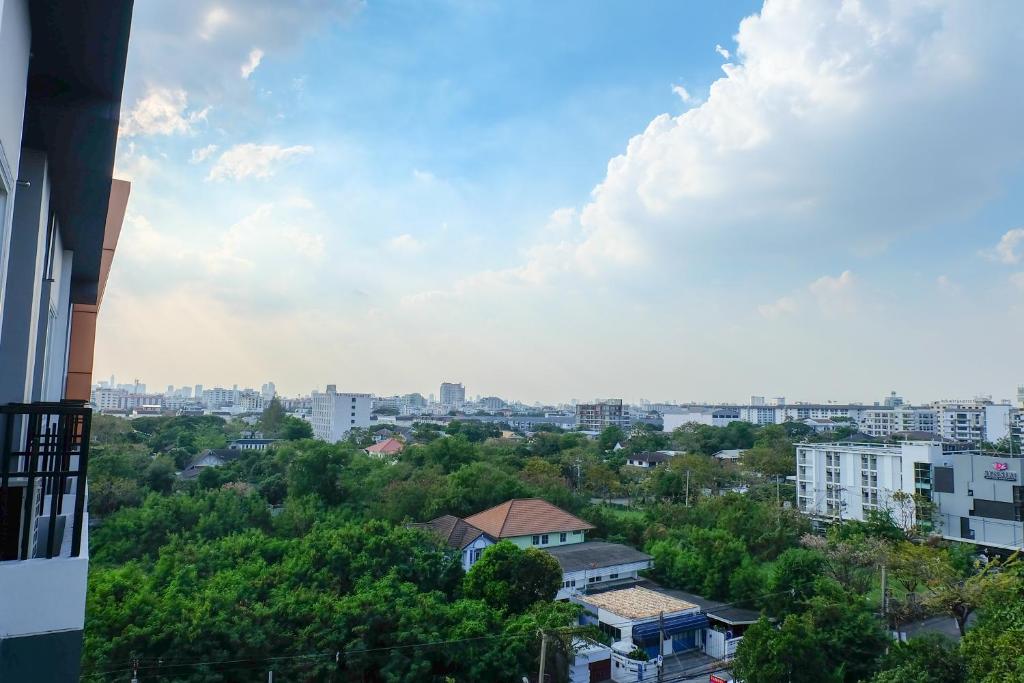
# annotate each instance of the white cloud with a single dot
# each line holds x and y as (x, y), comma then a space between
(255, 57)
(814, 83)
(783, 306)
(722, 51)
(682, 92)
(254, 161)
(405, 243)
(202, 154)
(1010, 248)
(215, 19)
(835, 295)
(163, 111)
(1017, 280)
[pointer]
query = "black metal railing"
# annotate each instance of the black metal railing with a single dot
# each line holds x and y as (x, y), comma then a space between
(44, 454)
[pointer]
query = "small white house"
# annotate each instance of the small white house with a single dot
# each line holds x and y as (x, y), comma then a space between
(647, 461)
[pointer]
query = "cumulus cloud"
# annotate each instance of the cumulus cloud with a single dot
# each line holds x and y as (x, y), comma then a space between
(405, 243)
(722, 51)
(1010, 248)
(814, 136)
(255, 57)
(202, 154)
(163, 111)
(781, 307)
(835, 295)
(254, 161)
(682, 93)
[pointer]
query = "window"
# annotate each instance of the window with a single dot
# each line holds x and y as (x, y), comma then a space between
(477, 552)
(536, 540)
(562, 537)
(544, 539)
(593, 579)
(613, 576)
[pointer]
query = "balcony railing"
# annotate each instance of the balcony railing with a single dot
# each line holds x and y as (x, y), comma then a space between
(44, 454)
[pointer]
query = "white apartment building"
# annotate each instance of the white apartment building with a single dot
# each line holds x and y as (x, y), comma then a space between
(333, 415)
(596, 416)
(106, 399)
(252, 402)
(219, 397)
(883, 422)
(978, 497)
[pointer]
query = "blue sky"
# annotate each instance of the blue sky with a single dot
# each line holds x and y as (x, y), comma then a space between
(567, 200)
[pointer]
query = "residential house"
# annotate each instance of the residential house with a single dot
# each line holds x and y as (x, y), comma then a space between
(731, 454)
(647, 460)
(387, 448)
(211, 457)
(586, 565)
(460, 535)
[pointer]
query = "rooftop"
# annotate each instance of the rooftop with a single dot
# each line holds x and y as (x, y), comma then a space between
(638, 603)
(387, 447)
(524, 517)
(595, 555)
(456, 532)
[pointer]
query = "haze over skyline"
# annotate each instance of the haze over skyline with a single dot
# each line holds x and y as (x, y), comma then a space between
(564, 201)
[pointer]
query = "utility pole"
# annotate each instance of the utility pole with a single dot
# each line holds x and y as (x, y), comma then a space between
(687, 504)
(885, 595)
(543, 655)
(661, 641)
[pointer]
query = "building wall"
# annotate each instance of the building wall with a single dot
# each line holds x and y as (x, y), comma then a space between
(469, 551)
(554, 539)
(15, 38)
(334, 415)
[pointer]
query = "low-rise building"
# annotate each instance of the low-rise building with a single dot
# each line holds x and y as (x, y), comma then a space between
(459, 535)
(387, 448)
(647, 460)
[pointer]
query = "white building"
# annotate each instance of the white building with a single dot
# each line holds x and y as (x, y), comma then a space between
(452, 395)
(106, 399)
(333, 415)
(977, 495)
(597, 416)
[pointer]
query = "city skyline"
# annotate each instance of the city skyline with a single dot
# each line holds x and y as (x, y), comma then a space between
(558, 201)
(1014, 396)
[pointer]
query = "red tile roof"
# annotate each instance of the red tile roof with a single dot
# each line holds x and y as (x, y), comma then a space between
(386, 447)
(525, 517)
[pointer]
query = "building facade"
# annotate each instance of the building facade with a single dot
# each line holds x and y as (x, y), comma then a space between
(61, 74)
(596, 416)
(334, 415)
(970, 495)
(452, 395)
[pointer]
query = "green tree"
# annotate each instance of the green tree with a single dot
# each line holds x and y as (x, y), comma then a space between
(609, 437)
(792, 579)
(295, 429)
(789, 654)
(511, 579)
(931, 658)
(272, 419)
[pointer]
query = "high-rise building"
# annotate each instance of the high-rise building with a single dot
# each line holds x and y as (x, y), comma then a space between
(61, 75)
(603, 413)
(452, 395)
(333, 415)
(268, 391)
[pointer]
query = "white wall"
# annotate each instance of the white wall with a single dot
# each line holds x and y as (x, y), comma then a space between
(15, 39)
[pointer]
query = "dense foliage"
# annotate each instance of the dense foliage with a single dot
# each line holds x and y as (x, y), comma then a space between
(299, 558)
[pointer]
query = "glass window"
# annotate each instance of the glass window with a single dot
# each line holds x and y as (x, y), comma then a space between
(561, 537)
(536, 540)
(544, 539)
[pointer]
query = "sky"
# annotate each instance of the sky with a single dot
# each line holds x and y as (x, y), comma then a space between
(573, 199)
